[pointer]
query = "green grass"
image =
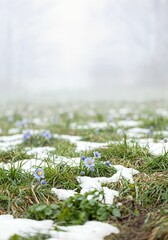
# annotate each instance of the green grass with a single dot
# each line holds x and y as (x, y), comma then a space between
(14, 155)
(144, 203)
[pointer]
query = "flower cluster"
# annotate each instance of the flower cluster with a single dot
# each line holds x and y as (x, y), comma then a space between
(89, 162)
(92, 164)
(39, 175)
(22, 123)
(97, 154)
(45, 134)
(27, 135)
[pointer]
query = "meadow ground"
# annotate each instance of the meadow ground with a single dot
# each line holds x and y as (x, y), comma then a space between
(88, 171)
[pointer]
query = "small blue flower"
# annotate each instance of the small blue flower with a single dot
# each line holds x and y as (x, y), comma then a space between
(47, 135)
(149, 132)
(92, 169)
(39, 173)
(89, 162)
(27, 135)
(107, 163)
(110, 118)
(97, 155)
(71, 115)
(83, 158)
(82, 173)
(43, 182)
(21, 123)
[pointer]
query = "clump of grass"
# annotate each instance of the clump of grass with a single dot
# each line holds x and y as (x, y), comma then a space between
(158, 226)
(39, 236)
(123, 153)
(62, 177)
(155, 121)
(14, 155)
(16, 191)
(152, 164)
(62, 147)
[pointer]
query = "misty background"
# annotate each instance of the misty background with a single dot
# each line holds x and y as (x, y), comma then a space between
(100, 48)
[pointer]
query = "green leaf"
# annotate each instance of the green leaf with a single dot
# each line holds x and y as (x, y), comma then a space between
(116, 212)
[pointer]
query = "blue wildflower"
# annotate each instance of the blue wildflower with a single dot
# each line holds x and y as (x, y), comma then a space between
(107, 163)
(89, 162)
(110, 118)
(27, 135)
(70, 115)
(39, 173)
(149, 132)
(43, 182)
(21, 123)
(83, 158)
(97, 155)
(47, 135)
(92, 169)
(82, 173)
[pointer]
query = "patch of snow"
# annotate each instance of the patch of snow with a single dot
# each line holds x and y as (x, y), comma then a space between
(63, 194)
(23, 227)
(158, 148)
(128, 123)
(137, 132)
(40, 152)
(72, 162)
(28, 165)
(5, 146)
(96, 125)
(89, 231)
(13, 131)
(164, 133)
(70, 138)
(126, 173)
(28, 228)
(37, 121)
(13, 138)
(162, 112)
(88, 146)
(90, 184)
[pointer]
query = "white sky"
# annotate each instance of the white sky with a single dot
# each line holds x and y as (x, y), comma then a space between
(72, 44)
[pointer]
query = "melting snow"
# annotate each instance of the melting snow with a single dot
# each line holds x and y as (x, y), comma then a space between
(89, 231)
(23, 227)
(87, 146)
(96, 125)
(89, 184)
(27, 227)
(40, 152)
(129, 123)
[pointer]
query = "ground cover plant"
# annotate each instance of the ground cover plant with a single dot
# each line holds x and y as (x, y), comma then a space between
(39, 154)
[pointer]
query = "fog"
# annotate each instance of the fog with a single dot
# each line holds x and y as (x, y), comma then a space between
(84, 47)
